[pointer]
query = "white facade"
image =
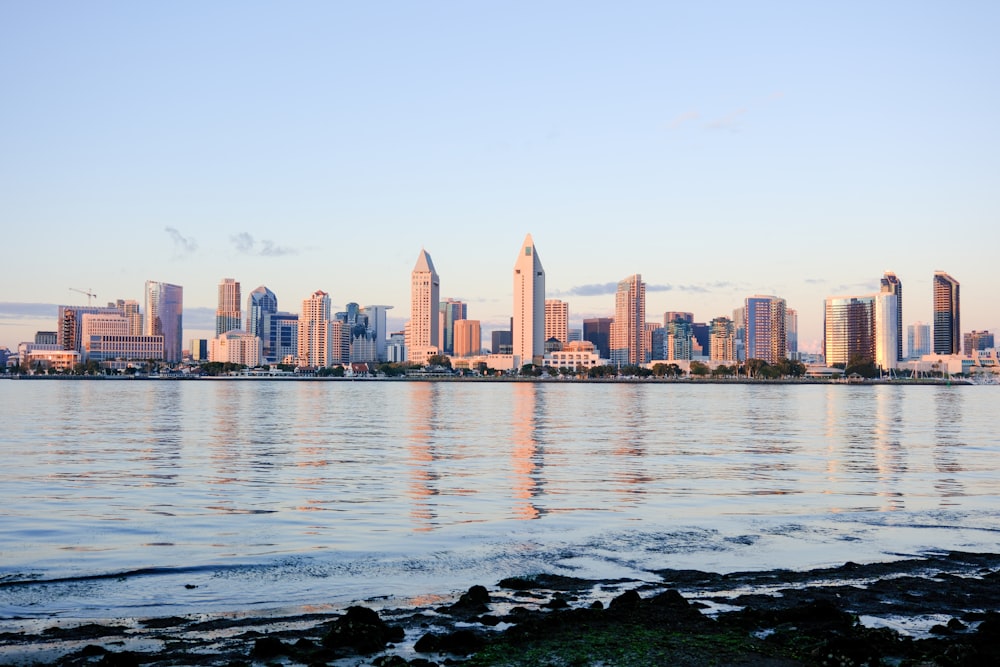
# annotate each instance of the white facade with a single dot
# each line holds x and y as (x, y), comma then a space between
(235, 347)
(886, 330)
(423, 338)
(575, 354)
(557, 320)
(529, 306)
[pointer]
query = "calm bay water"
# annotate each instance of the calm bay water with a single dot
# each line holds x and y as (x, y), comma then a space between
(123, 498)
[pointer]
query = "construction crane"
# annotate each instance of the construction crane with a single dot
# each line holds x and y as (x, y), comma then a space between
(90, 295)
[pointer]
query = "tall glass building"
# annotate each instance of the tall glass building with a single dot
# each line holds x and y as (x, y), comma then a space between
(947, 327)
(165, 317)
(764, 328)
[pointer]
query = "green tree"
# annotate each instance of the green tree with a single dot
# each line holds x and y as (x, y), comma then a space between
(862, 365)
(699, 369)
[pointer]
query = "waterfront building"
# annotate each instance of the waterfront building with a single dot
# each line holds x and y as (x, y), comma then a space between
(918, 337)
(70, 322)
(679, 336)
(395, 349)
(722, 339)
(764, 328)
(947, 323)
(36, 357)
(628, 329)
(502, 342)
(557, 320)
(228, 316)
(313, 331)
(577, 354)
(700, 333)
(740, 331)
(236, 347)
(886, 330)
(468, 338)
(339, 342)
(597, 330)
(890, 284)
(422, 330)
(849, 329)
(528, 328)
(107, 340)
(975, 341)
(452, 310)
(165, 317)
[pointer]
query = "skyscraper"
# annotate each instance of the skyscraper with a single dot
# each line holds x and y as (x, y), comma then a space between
(165, 317)
(227, 315)
(947, 326)
(314, 348)
(849, 329)
(764, 328)
(422, 333)
(557, 320)
(887, 330)
(468, 338)
(260, 302)
(597, 330)
(528, 331)
(792, 333)
(377, 323)
(721, 340)
(977, 340)
(918, 336)
(892, 285)
(452, 310)
(628, 329)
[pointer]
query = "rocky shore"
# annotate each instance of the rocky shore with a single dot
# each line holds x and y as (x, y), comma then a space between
(937, 610)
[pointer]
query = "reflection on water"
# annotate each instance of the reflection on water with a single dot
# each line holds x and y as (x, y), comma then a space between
(135, 474)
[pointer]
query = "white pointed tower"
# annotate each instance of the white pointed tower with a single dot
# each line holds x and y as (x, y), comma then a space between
(529, 306)
(422, 332)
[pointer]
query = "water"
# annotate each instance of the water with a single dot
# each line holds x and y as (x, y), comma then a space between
(137, 499)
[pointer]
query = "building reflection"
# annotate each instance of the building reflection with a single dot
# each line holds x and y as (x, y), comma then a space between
(527, 454)
(889, 461)
(947, 446)
(422, 415)
(630, 444)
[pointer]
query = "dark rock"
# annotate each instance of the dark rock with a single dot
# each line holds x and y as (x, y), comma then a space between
(389, 661)
(625, 601)
(472, 601)
(268, 647)
(517, 583)
(489, 620)
(597, 604)
(461, 642)
(123, 659)
(92, 650)
(361, 629)
(556, 603)
(427, 644)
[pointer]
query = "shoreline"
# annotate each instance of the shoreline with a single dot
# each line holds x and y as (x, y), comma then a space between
(940, 609)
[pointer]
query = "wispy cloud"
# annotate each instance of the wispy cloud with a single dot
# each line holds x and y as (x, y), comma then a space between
(730, 121)
(200, 318)
(183, 246)
(599, 289)
(591, 290)
(681, 119)
(245, 244)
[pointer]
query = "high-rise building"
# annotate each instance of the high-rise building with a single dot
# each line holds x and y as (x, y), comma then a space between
(260, 303)
(314, 345)
(377, 323)
(947, 325)
(282, 331)
(69, 335)
(597, 330)
(528, 329)
(849, 329)
(886, 330)
(740, 333)
(452, 310)
(468, 338)
(130, 309)
(792, 333)
(422, 332)
(722, 336)
(165, 317)
(918, 337)
(892, 285)
(764, 328)
(501, 342)
(977, 340)
(557, 320)
(227, 315)
(628, 329)
(235, 347)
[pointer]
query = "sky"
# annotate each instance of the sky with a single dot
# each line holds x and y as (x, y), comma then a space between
(719, 149)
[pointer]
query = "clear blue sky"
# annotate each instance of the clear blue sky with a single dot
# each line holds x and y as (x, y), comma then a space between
(719, 149)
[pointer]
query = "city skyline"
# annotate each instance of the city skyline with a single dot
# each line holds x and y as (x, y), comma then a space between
(719, 151)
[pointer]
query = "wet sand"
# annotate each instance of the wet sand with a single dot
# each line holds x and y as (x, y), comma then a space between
(938, 610)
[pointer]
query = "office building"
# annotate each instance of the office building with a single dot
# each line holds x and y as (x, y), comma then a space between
(975, 341)
(890, 284)
(468, 338)
(165, 317)
(597, 330)
(501, 342)
(792, 333)
(947, 324)
(722, 339)
(849, 329)
(377, 316)
(260, 303)
(422, 331)
(199, 349)
(46, 338)
(886, 330)
(764, 328)
(557, 320)
(235, 347)
(528, 329)
(451, 311)
(629, 327)
(314, 331)
(228, 316)
(918, 337)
